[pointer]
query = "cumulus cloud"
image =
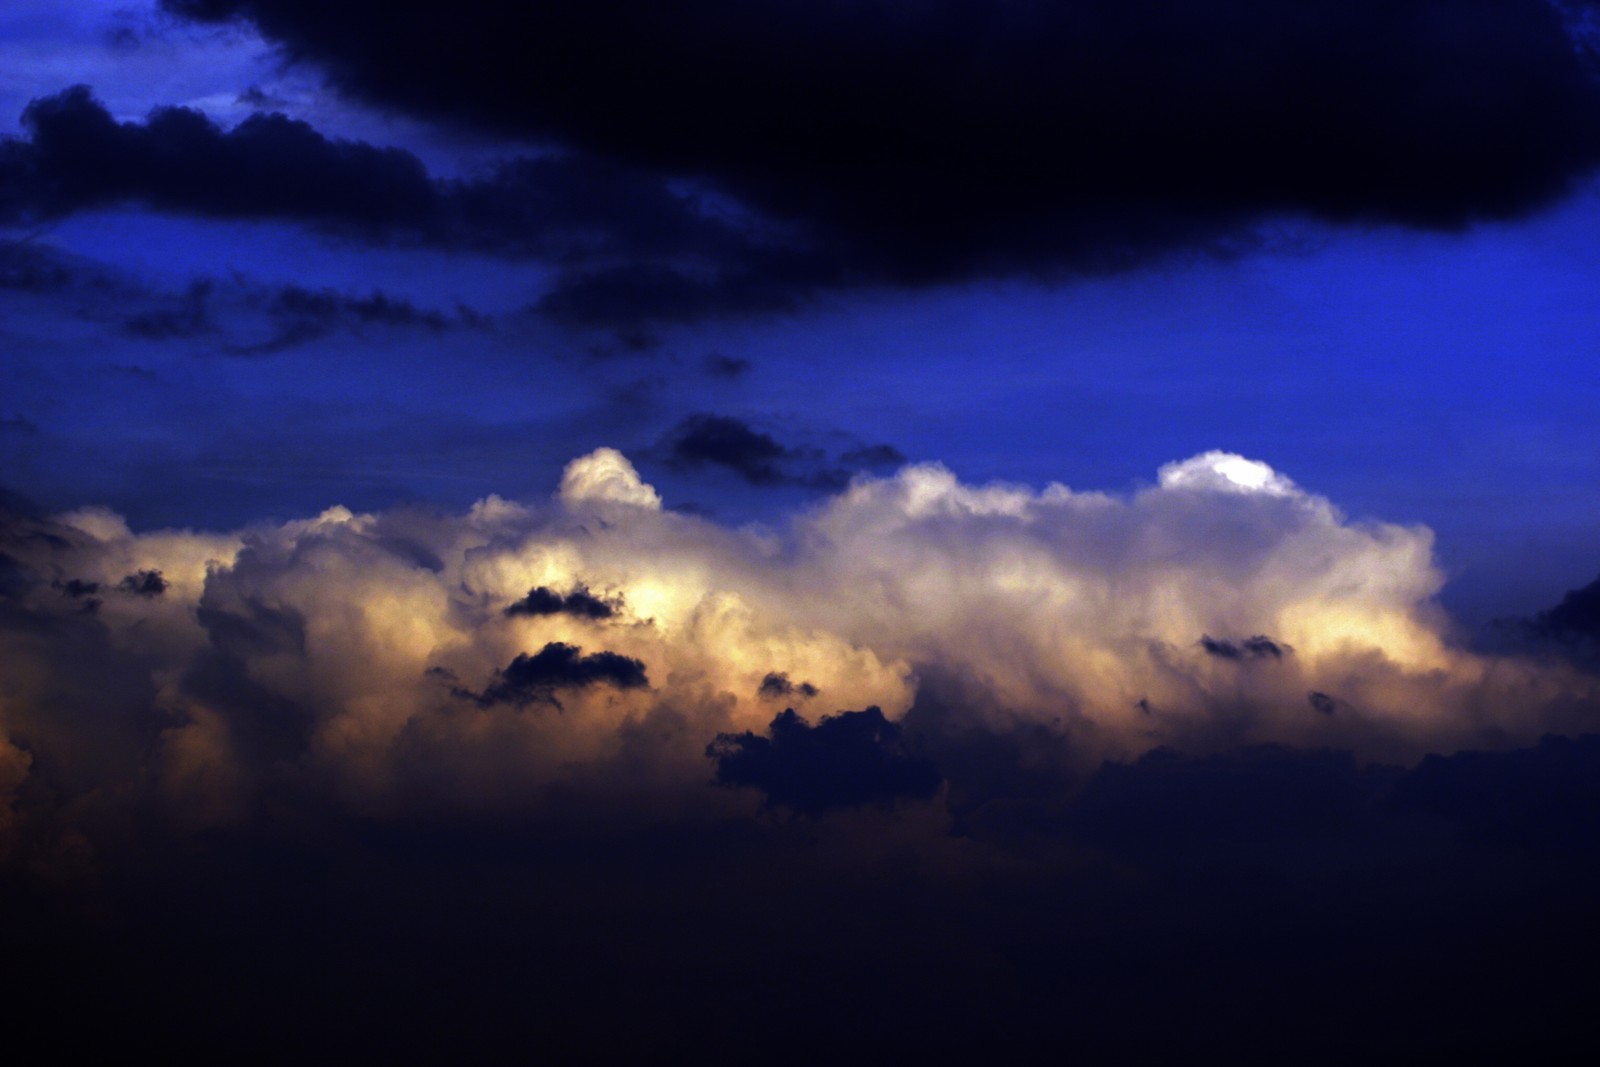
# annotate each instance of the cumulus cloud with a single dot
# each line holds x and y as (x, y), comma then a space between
(402, 658)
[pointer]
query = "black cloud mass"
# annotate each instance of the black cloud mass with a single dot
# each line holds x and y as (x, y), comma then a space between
(945, 135)
(865, 144)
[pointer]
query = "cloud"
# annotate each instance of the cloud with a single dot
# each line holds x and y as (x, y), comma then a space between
(1576, 619)
(329, 647)
(78, 157)
(275, 755)
(846, 760)
(777, 685)
(704, 441)
(579, 603)
(297, 315)
(1257, 647)
(960, 139)
(535, 679)
(720, 441)
(144, 583)
(788, 153)
(595, 221)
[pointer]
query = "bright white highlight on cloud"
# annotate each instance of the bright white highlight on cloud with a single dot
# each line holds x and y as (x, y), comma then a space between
(1225, 472)
(605, 476)
(375, 653)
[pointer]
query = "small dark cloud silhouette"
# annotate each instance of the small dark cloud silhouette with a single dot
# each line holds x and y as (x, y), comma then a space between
(705, 440)
(535, 679)
(581, 603)
(873, 456)
(78, 587)
(719, 441)
(1322, 702)
(852, 759)
(1251, 648)
(777, 685)
(259, 98)
(150, 583)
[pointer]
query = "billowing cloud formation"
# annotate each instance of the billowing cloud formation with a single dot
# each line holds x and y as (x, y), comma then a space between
(402, 656)
(343, 724)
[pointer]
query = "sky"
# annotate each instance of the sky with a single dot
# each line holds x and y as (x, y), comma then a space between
(622, 528)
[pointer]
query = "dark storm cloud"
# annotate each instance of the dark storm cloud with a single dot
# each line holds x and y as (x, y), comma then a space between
(535, 679)
(851, 759)
(77, 157)
(945, 139)
(579, 210)
(742, 284)
(579, 603)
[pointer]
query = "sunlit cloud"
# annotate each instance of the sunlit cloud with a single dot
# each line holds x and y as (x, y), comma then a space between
(385, 655)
